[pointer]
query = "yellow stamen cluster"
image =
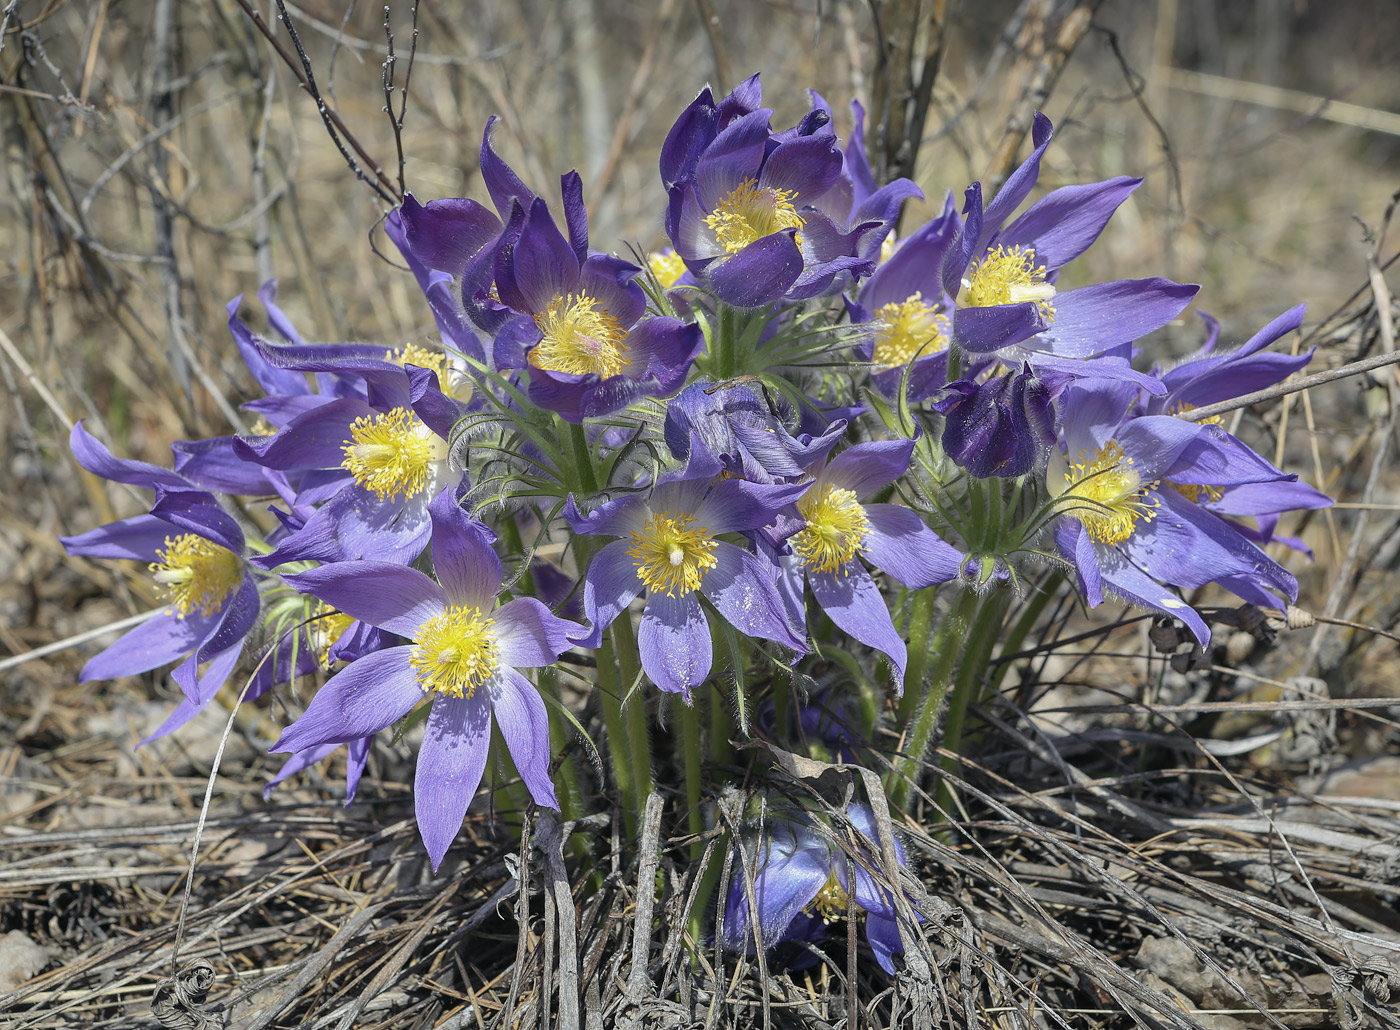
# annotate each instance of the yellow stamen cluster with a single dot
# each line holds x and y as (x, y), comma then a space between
(672, 554)
(456, 651)
(1007, 277)
(831, 901)
(262, 427)
(580, 337)
(836, 528)
(412, 354)
(1181, 408)
(196, 574)
(667, 266)
(392, 453)
(327, 627)
(910, 329)
(751, 212)
(1194, 491)
(1107, 495)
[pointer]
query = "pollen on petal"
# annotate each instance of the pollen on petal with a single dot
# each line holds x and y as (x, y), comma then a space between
(836, 528)
(579, 338)
(196, 574)
(1106, 494)
(1008, 276)
(672, 554)
(908, 329)
(455, 651)
(751, 212)
(392, 453)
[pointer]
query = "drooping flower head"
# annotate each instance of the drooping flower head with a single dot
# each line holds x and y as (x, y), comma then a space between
(463, 656)
(1002, 425)
(802, 882)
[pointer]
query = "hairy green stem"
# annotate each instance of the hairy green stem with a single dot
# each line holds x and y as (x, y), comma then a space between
(948, 645)
(690, 746)
(634, 710)
(920, 647)
(1025, 622)
(585, 476)
(977, 652)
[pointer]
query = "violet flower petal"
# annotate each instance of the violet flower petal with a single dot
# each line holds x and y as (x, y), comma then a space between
(361, 699)
(451, 759)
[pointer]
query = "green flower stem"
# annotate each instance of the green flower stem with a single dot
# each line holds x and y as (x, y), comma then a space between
(721, 727)
(725, 363)
(585, 476)
(690, 746)
(920, 647)
(977, 652)
(1025, 622)
(610, 693)
(946, 648)
(634, 711)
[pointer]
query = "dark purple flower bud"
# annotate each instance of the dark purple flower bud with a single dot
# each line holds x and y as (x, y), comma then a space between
(1003, 427)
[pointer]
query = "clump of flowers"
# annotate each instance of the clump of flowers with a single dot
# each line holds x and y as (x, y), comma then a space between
(725, 517)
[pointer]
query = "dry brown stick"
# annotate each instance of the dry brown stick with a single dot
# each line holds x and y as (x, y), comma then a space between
(380, 183)
(1040, 83)
(710, 19)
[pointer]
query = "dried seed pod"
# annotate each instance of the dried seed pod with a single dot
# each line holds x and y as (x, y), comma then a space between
(1299, 618)
(1166, 634)
(1239, 647)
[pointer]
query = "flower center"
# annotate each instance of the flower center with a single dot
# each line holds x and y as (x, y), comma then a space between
(1008, 277)
(751, 212)
(672, 554)
(196, 574)
(1108, 495)
(910, 329)
(456, 651)
(327, 627)
(580, 338)
(830, 904)
(392, 453)
(667, 266)
(836, 528)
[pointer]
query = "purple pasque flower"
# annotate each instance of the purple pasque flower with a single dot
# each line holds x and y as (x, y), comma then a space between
(839, 529)
(904, 313)
(1130, 491)
(584, 332)
(802, 882)
(1210, 377)
(195, 552)
(740, 201)
(1002, 277)
(1003, 425)
(440, 241)
(670, 548)
(855, 199)
(464, 650)
(371, 463)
